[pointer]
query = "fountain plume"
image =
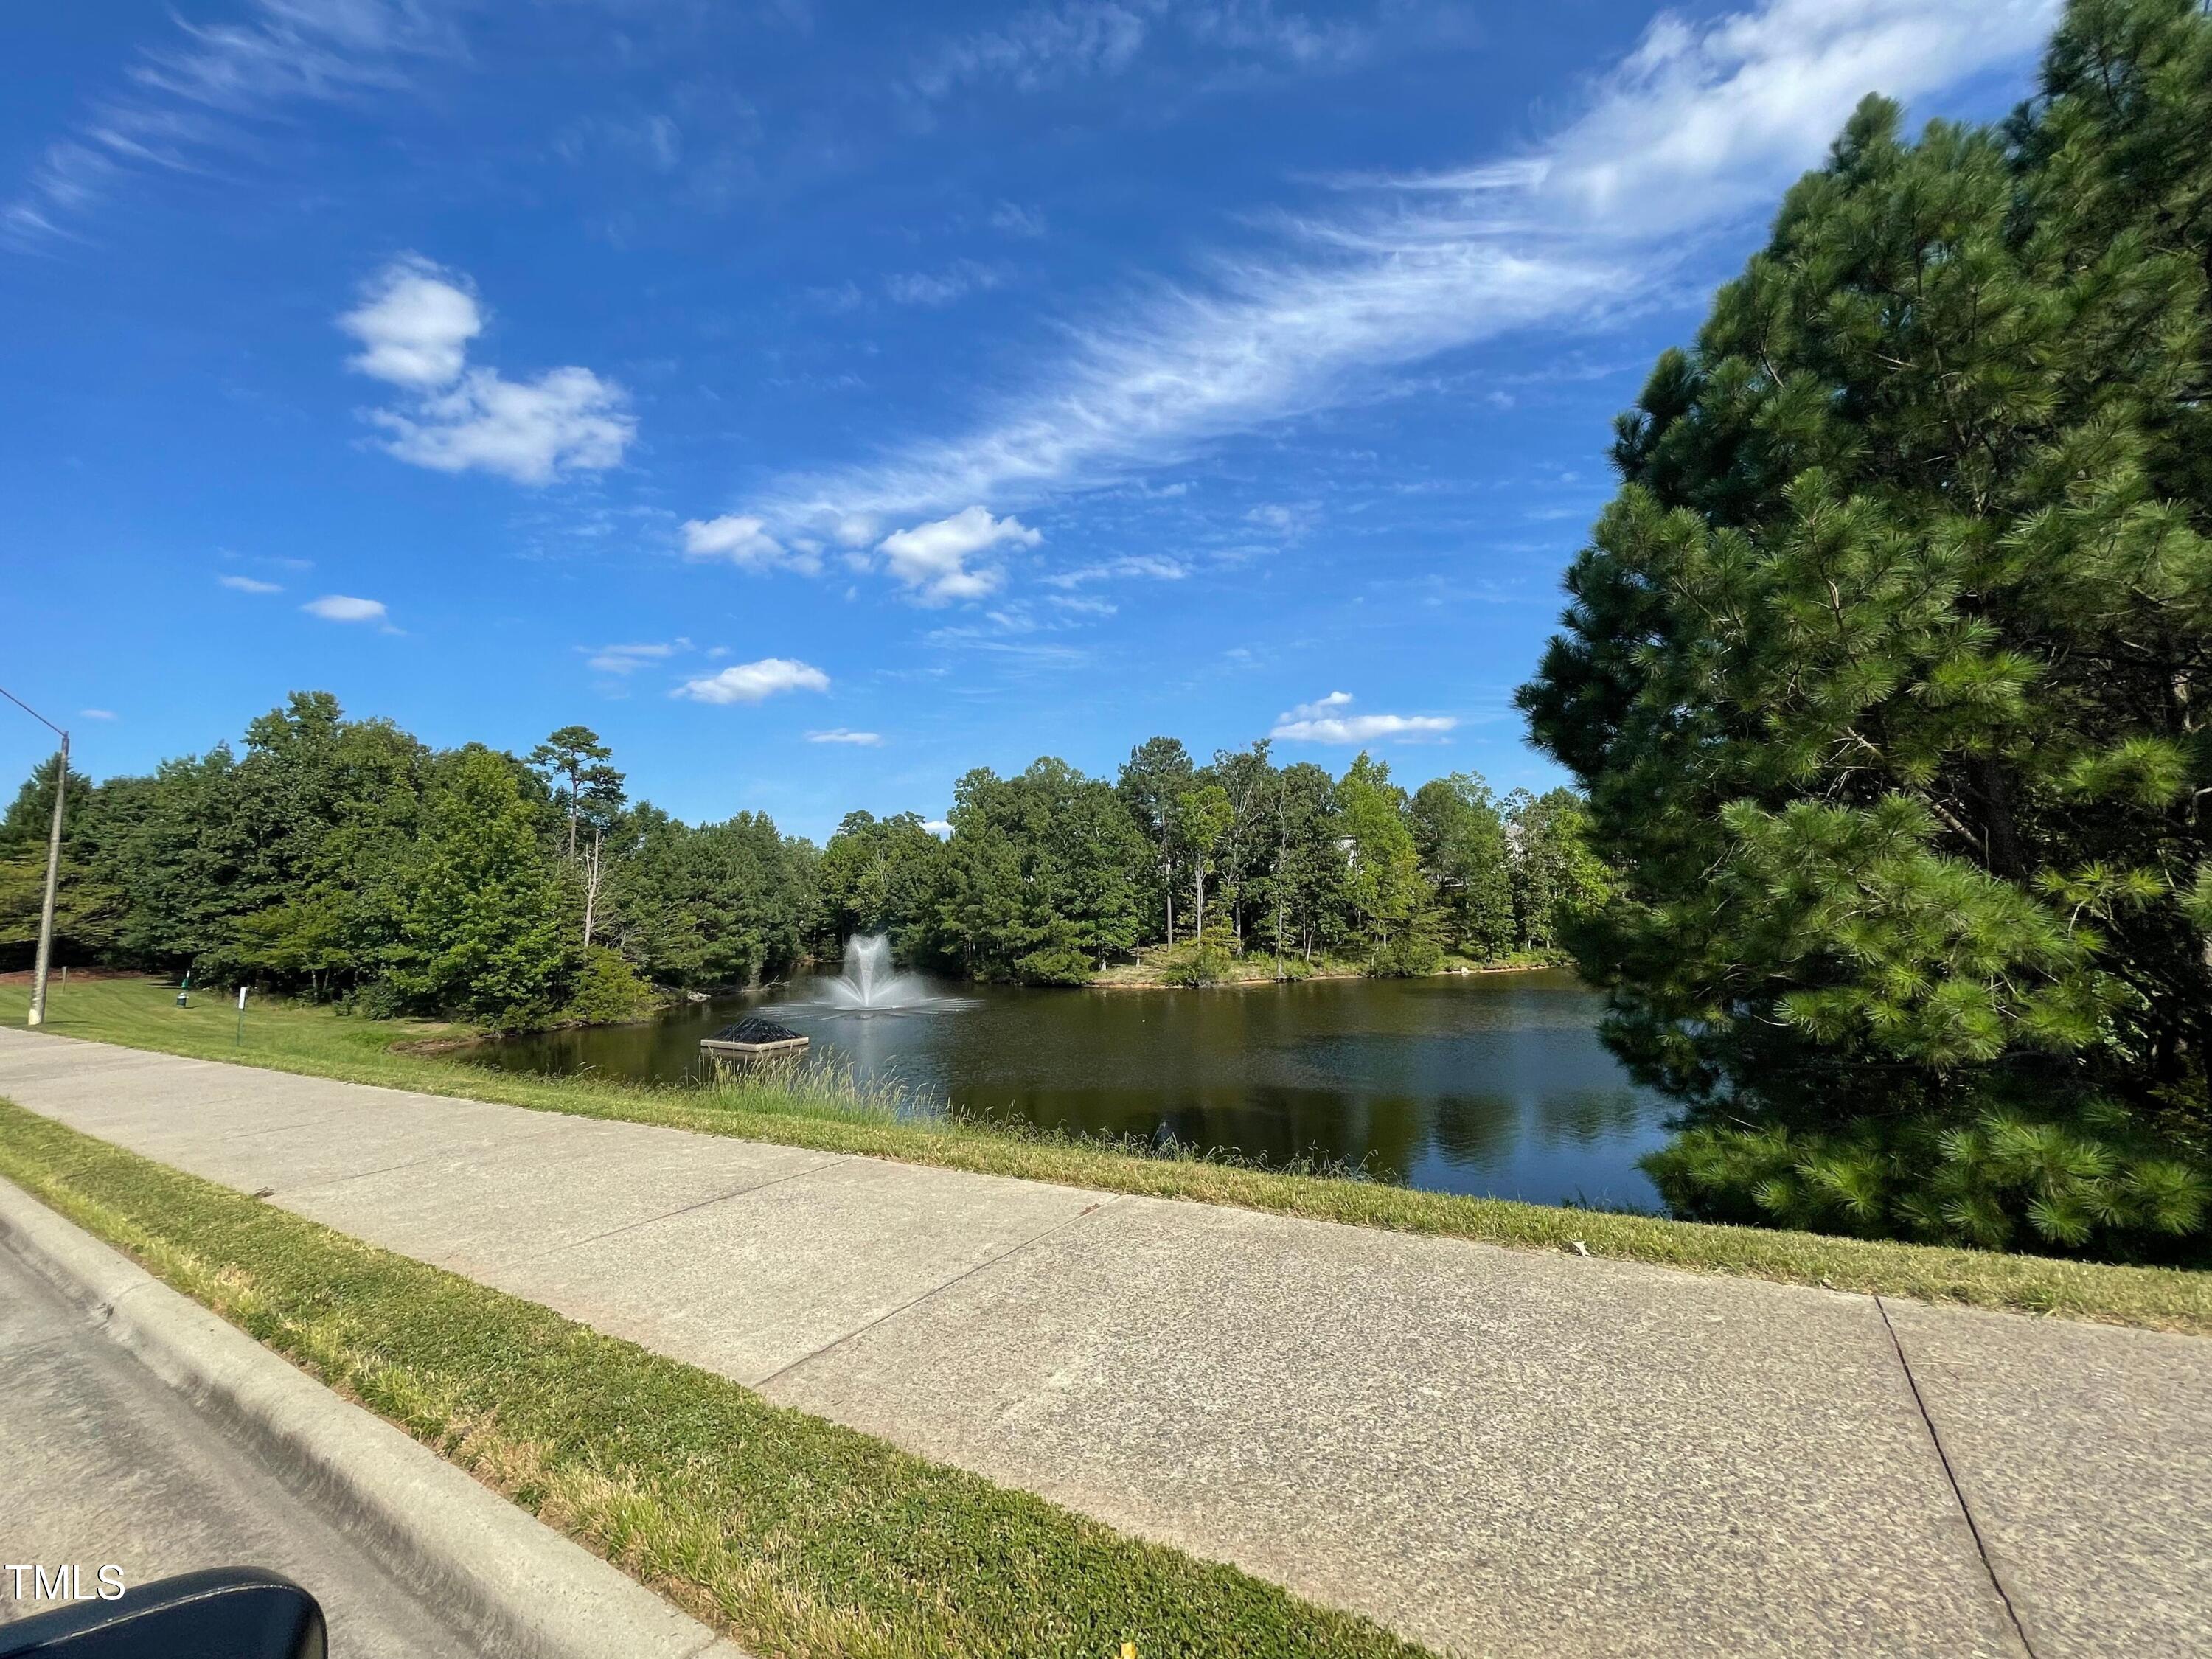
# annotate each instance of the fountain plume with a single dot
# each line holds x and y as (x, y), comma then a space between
(869, 981)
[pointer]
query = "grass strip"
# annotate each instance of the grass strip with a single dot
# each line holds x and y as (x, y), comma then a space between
(819, 1111)
(797, 1536)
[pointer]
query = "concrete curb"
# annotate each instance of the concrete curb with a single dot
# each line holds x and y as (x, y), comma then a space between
(513, 1583)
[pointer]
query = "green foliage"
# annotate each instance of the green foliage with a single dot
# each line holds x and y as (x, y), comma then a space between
(88, 907)
(2000, 1181)
(1555, 877)
(1048, 875)
(879, 876)
(1383, 887)
(719, 904)
(573, 761)
(1200, 819)
(484, 934)
(343, 860)
(1203, 961)
(609, 991)
(1461, 837)
(1062, 963)
(1042, 870)
(1150, 782)
(1888, 672)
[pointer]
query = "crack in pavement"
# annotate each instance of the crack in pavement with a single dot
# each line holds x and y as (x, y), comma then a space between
(1958, 1493)
(912, 1303)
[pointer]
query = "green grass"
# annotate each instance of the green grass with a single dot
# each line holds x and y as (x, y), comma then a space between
(793, 1535)
(822, 1111)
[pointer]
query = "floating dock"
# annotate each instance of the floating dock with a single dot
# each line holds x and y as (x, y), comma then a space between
(752, 1039)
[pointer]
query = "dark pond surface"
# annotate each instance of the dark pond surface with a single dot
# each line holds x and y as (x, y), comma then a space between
(1492, 1084)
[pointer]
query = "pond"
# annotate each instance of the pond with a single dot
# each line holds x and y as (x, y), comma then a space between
(1493, 1083)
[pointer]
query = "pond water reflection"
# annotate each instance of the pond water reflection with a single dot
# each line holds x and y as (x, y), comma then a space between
(1493, 1083)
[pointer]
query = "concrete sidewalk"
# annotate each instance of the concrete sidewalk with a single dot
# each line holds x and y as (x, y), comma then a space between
(1494, 1451)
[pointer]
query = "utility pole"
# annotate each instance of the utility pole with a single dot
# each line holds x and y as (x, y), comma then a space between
(53, 863)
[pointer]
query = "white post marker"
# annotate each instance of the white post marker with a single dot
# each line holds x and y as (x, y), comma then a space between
(240, 1035)
(46, 956)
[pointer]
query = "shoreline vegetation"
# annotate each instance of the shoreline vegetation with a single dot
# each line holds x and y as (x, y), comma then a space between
(1147, 974)
(826, 1109)
(1157, 969)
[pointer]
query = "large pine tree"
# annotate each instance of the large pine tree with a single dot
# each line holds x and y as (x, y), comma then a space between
(1888, 671)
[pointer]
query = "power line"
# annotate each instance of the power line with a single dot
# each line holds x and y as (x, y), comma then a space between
(32, 713)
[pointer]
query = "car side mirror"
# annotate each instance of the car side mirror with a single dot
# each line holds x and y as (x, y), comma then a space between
(229, 1612)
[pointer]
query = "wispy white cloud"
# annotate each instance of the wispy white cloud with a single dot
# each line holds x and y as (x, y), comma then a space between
(96, 713)
(839, 734)
(346, 608)
(752, 681)
(941, 287)
(1258, 29)
(1012, 219)
(193, 97)
(1131, 565)
(1054, 44)
(934, 560)
(1288, 520)
(1042, 46)
(414, 323)
(250, 584)
(938, 827)
(623, 659)
(1698, 128)
(1324, 721)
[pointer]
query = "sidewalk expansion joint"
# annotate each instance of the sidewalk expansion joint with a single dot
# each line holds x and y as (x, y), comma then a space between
(448, 1154)
(1085, 1214)
(1958, 1491)
(686, 1209)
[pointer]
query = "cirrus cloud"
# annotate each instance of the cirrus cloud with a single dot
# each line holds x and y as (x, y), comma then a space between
(839, 734)
(621, 659)
(1679, 146)
(224, 90)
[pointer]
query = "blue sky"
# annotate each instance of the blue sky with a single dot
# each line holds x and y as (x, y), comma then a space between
(819, 399)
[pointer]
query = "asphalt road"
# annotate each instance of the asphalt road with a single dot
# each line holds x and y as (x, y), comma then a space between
(103, 1464)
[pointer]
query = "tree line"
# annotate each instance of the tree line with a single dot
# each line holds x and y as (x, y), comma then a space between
(1048, 875)
(344, 859)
